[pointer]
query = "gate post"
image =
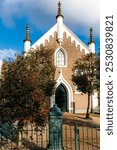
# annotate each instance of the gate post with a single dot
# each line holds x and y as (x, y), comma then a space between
(55, 129)
(76, 137)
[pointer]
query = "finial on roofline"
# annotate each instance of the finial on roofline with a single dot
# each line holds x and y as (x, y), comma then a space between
(91, 43)
(27, 38)
(91, 35)
(59, 10)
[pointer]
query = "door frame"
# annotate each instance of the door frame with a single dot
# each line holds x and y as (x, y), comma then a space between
(65, 92)
(62, 81)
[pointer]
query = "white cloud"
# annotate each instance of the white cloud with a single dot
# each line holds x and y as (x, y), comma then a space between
(5, 54)
(77, 12)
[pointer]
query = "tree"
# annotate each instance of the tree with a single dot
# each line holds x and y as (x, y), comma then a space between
(25, 87)
(86, 75)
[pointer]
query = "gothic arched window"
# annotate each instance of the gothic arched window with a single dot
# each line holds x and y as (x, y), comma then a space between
(60, 58)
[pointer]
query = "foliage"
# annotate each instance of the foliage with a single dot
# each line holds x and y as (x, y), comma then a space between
(87, 75)
(26, 85)
(8, 131)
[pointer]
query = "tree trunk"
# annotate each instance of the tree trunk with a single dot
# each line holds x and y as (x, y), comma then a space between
(88, 105)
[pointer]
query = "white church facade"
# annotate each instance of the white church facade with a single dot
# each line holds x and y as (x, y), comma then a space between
(67, 49)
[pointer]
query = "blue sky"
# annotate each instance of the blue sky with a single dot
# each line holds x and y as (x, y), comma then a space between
(79, 15)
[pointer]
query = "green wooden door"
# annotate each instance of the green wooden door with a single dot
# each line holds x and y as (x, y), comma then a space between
(61, 98)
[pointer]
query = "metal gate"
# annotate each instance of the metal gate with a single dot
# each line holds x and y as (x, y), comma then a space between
(56, 135)
(74, 137)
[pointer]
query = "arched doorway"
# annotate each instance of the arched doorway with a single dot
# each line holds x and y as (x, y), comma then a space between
(61, 98)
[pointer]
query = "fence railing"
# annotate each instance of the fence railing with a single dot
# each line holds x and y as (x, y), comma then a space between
(89, 138)
(74, 137)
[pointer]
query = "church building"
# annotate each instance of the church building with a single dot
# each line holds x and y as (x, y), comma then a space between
(67, 49)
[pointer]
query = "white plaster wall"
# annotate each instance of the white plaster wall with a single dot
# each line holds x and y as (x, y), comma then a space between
(95, 101)
(26, 46)
(92, 47)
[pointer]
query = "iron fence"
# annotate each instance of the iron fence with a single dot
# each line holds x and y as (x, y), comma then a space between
(74, 137)
(88, 137)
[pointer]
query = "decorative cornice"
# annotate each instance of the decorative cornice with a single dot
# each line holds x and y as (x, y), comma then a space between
(69, 33)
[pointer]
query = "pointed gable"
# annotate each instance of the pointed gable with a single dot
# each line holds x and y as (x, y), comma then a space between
(60, 28)
(69, 33)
